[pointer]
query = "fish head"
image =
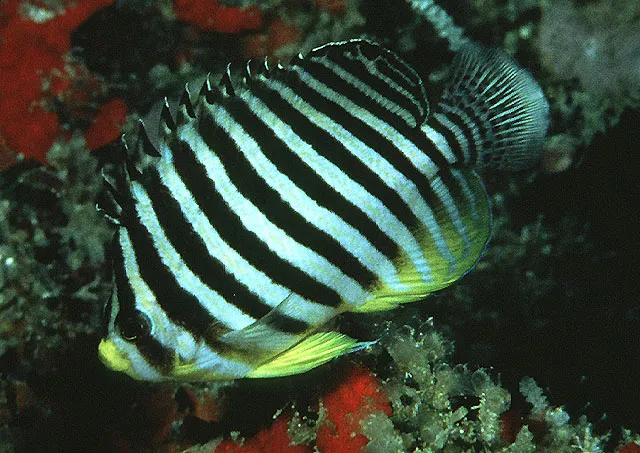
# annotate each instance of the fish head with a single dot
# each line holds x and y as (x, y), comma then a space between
(141, 341)
(127, 341)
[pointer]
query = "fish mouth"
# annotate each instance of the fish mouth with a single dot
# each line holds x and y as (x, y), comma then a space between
(114, 358)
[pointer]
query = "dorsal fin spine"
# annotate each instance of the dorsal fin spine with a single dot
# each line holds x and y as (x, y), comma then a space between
(226, 83)
(185, 107)
(166, 118)
(144, 145)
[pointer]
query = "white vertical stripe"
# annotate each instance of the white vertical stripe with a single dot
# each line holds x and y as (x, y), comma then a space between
(387, 173)
(418, 157)
(457, 132)
(227, 313)
(256, 281)
(169, 335)
(439, 142)
(475, 130)
(468, 193)
(391, 82)
(256, 222)
(450, 206)
(365, 89)
(325, 220)
(351, 190)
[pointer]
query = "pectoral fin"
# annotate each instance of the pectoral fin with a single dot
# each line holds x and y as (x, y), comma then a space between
(311, 352)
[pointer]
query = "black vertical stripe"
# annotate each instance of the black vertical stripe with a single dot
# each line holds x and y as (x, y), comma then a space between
(327, 146)
(414, 100)
(193, 251)
(463, 119)
(159, 357)
(254, 187)
(375, 140)
(451, 139)
(330, 78)
(180, 306)
(292, 165)
(210, 270)
(229, 225)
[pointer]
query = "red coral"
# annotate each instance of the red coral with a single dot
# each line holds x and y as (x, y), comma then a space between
(274, 439)
(279, 33)
(350, 403)
(630, 447)
(29, 52)
(208, 15)
(107, 124)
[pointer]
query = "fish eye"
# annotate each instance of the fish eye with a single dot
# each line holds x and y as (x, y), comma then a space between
(133, 326)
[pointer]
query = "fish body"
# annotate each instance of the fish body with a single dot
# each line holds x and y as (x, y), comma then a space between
(286, 196)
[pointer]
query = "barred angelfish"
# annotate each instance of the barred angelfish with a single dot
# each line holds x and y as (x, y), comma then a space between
(288, 195)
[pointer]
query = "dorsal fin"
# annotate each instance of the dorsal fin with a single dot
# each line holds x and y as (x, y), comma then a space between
(206, 86)
(107, 204)
(226, 83)
(247, 74)
(143, 144)
(166, 119)
(379, 75)
(185, 107)
(116, 178)
(264, 68)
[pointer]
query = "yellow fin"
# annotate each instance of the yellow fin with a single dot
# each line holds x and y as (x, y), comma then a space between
(388, 301)
(311, 352)
(464, 239)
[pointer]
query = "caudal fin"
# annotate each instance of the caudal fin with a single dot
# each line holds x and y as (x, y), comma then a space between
(500, 108)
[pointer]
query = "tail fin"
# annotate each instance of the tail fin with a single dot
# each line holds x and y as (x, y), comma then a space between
(500, 107)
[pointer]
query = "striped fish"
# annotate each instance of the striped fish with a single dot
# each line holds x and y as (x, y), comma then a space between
(288, 195)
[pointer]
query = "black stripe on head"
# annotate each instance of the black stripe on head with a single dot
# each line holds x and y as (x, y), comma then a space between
(229, 226)
(159, 357)
(255, 188)
(181, 307)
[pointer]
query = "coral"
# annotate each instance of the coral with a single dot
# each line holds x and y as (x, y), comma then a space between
(33, 45)
(273, 439)
(51, 248)
(344, 410)
(630, 447)
(209, 15)
(280, 38)
(333, 6)
(354, 406)
(106, 127)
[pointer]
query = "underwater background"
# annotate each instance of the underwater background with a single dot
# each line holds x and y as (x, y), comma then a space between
(536, 349)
